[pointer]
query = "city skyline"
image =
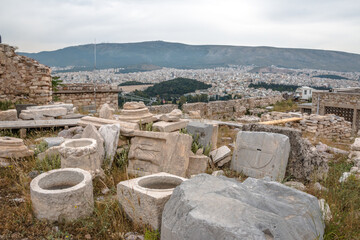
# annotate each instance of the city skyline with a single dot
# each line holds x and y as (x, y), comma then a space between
(49, 25)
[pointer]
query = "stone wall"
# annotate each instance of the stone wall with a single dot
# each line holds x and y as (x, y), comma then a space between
(230, 109)
(83, 97)
(330, 126)
(304, 163)
(23, 79)
(160, 109)
(343, 104)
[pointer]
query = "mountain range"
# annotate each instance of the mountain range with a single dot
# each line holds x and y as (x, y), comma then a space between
(177, 55)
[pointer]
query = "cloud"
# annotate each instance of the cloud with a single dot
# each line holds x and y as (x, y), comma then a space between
(39, 25)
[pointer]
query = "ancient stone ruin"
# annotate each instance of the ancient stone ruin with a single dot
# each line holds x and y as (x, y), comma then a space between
(62, 194)
(23, 79)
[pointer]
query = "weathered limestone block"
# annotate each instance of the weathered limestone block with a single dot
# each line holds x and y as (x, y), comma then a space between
(173, 116)
(13, 148)
(134, 105)
(260, 154)
(62, 194)
(356, 145)
(69, 107)
(163, 126)
(208, 207)
(106, 112)
(80, 153)
(153, 152)
(38, 114)
(136, 112)
(98, 122)
(197, 164)
(9, 115)
(143, 198)
(90, 131)
(203, 131)
(220, 154)
(54, 141)
(110, 134)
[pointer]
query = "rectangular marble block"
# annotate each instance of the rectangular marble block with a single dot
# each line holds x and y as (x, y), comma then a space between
(260, 154)
(163, 126)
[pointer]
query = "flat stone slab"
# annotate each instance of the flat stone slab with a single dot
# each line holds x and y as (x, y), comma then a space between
(163, 126)
(143, 198)
(98, 122)
(153, 152)
(39, 114)
(38, 123)
(260, 154)
(69, 106)
(211, 208)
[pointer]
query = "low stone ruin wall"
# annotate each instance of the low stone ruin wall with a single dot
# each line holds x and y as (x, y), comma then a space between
(303, 162)
(230, 109)
(83, 96)
(162, 109)
(330, 126)
(23, 79)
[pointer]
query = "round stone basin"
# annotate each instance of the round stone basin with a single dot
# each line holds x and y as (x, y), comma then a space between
(61, 180)
(159, 183)
(62, 194)
(77, 143)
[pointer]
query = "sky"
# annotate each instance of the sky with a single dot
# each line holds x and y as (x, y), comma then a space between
(45, 25)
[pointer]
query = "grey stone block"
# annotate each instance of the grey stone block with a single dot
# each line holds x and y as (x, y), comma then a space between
(54, 141)
(203, 130)
(208, 207)
(260, 154)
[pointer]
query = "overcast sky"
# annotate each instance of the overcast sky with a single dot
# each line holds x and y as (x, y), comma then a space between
(39, 25)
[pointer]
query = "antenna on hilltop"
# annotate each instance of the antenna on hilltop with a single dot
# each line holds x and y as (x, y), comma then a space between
(94, 75)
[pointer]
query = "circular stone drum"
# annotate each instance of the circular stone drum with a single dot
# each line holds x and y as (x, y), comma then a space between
(80, 153)
(62, 194)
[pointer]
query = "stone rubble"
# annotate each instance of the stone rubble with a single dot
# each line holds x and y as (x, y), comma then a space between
(8, 115)
(106, 112)
(110, 134)
(91, 132)
(208, 207)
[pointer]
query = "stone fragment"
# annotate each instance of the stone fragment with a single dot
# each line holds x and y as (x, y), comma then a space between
(260, 154)
(344, 177)
(76, 136)
(134, 105)
(80, 153)
(106, 112)
(214, 136)
(220, 154)
(135, 112)
(50, 153)
(223, 161)
(13, 148)
(69, 107)
(90, 131)
(153, 152)
(62, 194)
(197, 164)
(54, 141)
(9, 115)
(354, 170)
(195, 114)
(297, 185)
(319, 187)
(325, 209)
(4, 162)
(163, 126)
(202, 131)
(133, 236)
(173, 116)
(110, 134)
(39, 114)
(98, 122)
(143, 198)
(356, 145)
(254, 209)
(218, 173)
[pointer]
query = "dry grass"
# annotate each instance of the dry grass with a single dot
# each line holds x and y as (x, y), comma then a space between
(17, 220)
(285, 106)
(344, 202)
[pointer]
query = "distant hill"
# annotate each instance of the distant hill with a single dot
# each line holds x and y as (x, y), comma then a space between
(173, 88)
(177, 55)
